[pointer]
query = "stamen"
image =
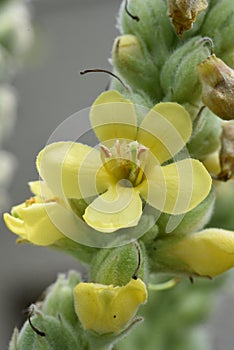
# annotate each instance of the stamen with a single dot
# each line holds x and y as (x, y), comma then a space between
(141, 150)
(141, 157)
(105, 151)
(118, 149)
(30, 201)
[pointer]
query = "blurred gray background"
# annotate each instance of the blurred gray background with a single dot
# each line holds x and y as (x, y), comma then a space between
(72, 35)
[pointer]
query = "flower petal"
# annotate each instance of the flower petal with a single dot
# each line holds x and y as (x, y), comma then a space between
(178, 187)
(113, 117)
(117, 208)
(34, 224)
(40, 188)
(72, 170)
(207, 253)
(165, 130)
(107, 309)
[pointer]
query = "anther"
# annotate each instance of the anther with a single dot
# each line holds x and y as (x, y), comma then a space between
(105, 151)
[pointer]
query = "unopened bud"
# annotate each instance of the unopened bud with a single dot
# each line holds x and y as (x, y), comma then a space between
(184, 13)
(217, 81)
(118, 265)
(135, 65)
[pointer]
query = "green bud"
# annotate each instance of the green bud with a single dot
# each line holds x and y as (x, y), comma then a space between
(136, 66)
(57, 335)
(53, 323)
(206, 135)
(59, 298)
(153, 28)
(179, 74)
(219, 26)
(118, 265)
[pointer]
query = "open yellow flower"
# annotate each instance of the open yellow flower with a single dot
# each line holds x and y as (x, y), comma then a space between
(30, 220)
(108, 309)
(128, 166)
(206, 253)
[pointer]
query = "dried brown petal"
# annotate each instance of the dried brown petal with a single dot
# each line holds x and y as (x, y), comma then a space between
(227, 151)
(184, 13)
(217, 81)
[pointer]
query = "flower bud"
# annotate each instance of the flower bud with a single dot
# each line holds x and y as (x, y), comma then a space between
(184, 13)
(217, 81)
(219, 25)
(59, 297)
(108, 309)
(206, 253)
(153, 28)
(117, 266)
(52, 323)
(179, 75)
(136, 66)
(58, 334)
(227, 151)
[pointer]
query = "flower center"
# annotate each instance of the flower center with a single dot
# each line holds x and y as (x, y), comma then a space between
(125, 161)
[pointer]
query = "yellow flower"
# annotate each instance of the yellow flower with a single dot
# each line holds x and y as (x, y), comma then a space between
(127, 167)
(31, 221)
(108, 309)
(206, 253)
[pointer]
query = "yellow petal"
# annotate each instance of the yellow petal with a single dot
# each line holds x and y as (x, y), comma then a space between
(108, 309)
(212, 163)
(14, 224)
(40, 188)
(165, 130)
(34, 224)
(113, 117)
(207, 253)
(117, 208)
(178, 187)
(72, 170)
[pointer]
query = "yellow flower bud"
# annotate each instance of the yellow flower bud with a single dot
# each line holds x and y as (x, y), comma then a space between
(184, 13)
(217, 81)
(108, 309)
(206, 253)
(128, 45)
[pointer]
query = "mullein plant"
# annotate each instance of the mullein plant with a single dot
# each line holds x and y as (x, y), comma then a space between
(137, 209)
(16, 37)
